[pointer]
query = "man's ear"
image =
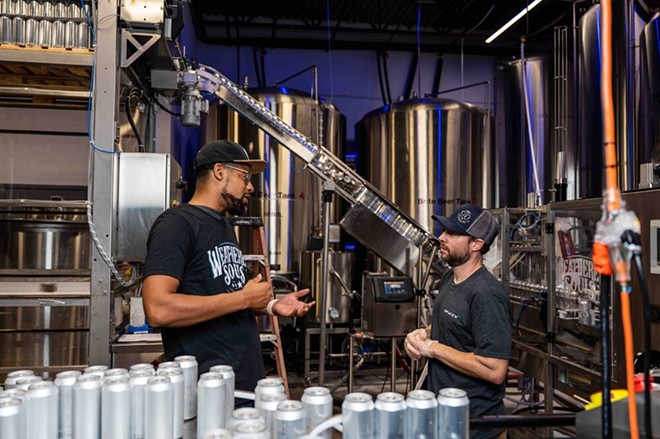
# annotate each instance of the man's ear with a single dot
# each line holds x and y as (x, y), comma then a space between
(477, 245)
(218, 171)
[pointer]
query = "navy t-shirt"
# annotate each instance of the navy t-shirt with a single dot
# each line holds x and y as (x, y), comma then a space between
(472, 316)
(199, 248)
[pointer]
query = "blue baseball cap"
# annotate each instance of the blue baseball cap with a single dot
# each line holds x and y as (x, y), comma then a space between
(471, 220)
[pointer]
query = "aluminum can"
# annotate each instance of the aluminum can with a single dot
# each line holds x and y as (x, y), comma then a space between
(253, 430)
(75, 11)
(65, 382)
(83, 38)
(10, 418)
(42, 410)
(45, 28)
(245, 415)
(453, 414)
(57, 34)
(390, 415)
(118, 371)
(6, 7)
(13, 376)
(31, 32)
(21, 7)
(289, 420)
(159, 402)
(227, 374)
(218, 433)
(268, 406)
(21, 395)
(357, 412)
(48, 8)
(169, 365)
(267, 386)
(19, 30)
(211, 403)
(143, 366)
(6, 30)
(189, 366)
(96, 370)
(25, 382)
(317, 402)
(35, 8)
(176, 377)
(138, 380)
(421, 414)
(87, 406)
(61, 9)
(116, 404)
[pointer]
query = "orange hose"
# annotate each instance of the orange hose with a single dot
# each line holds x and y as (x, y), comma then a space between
(613, 197)
(630, 374)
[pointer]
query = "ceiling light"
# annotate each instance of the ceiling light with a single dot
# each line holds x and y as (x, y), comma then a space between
(520, 15)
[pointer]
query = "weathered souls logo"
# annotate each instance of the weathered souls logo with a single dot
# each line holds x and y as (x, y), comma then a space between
(227, 260)
(579, 274)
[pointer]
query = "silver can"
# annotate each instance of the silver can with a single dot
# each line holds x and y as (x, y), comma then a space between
(245, 415)
(254, 430)
(19, 30)
(357, 413)
(45, 28)
(189, 366)
(48, 8)
(57, 35)
(289, 420)
(13, 376)
(87, 406)
(453, 414)
(61, 9)
(117, 371)
(43, 405)
(35, 8)
(267, 386)
(218, 433)
(6, 7)
(83, 37)
(21, 395)
(143, 366)
(421, 414)
(21, 7)
(176, 377)
(159, 400)
(317, 402)
(98, 370)
(210, 402)
(169, 365)
(6, 30)
(268, 406)
(138, 381)
(65, 382)
(75, 11)
(10, 418)
(25, 382)
(31, 32)
(390, 415)
(116, 403)
(227, 374)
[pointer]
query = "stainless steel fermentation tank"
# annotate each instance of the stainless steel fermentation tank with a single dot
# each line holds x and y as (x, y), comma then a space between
(428, 156)
(649, 108)
(287, 196)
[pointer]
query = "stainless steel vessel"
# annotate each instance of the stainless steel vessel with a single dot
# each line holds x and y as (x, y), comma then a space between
(649, 103)
(428, 156)
(287, 196)
(337, 303)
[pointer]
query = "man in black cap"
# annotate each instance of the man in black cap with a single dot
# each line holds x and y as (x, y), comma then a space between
(469, 341)
(195, 286)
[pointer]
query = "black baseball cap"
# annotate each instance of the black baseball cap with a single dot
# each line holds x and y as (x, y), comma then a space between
(226, 151)
(471, 220)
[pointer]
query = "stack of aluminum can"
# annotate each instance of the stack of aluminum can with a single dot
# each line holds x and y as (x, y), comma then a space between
(60, 24)
(147, 403)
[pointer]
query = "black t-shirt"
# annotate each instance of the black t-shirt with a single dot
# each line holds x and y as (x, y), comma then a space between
(199, 248)
(472, 316)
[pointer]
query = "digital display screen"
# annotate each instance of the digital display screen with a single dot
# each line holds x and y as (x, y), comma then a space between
(394, 288)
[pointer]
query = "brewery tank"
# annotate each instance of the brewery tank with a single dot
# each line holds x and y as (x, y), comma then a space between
(428, 156)
(287, 196)
(649, 102)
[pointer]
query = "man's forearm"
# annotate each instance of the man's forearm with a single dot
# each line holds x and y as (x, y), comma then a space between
(468, 363)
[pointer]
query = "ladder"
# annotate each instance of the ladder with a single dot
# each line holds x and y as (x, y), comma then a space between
(259, 258)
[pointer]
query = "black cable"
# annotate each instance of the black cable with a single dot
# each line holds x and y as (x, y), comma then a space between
(127, 107)
(165, 109)
(387, 79)
(380, 79)
(647, 344)
(606, 414)
(256, 67)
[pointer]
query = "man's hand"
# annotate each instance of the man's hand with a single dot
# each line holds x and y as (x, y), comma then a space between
(290, 306)
(257, 293)
(412, 341)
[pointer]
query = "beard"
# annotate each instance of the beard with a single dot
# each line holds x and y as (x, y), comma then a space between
(456, 258)
(235, 206)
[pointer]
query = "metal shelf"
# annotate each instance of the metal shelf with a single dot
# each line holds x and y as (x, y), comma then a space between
(46, 56)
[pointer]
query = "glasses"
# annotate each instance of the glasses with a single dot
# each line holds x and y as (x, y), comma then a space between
(247, 175)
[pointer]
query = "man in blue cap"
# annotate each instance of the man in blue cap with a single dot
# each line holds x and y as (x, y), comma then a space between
(469, 341)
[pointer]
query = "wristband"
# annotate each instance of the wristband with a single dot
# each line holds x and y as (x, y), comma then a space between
(269, 307)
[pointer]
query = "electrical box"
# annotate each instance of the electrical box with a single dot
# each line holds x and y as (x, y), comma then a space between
(145, 12)
(389, 308)
(148, 185)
